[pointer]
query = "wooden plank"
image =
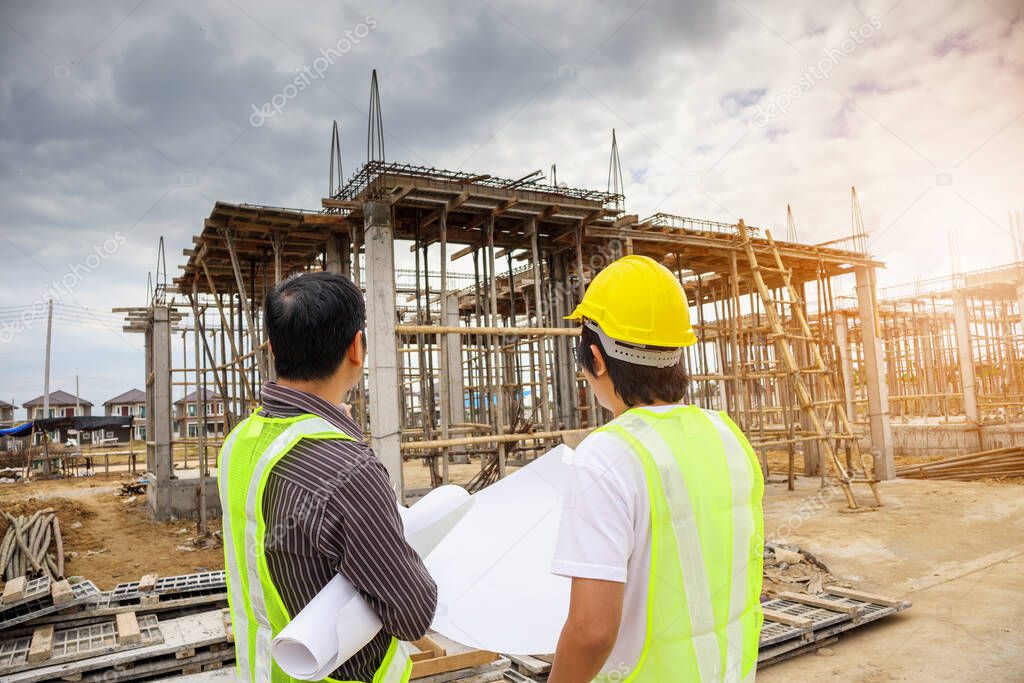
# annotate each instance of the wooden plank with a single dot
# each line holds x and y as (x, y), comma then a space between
(787, 619)
(428, 644)
(42, 644)
(14, 590)
(461, 660)
(531, 665)
(196, 630)
(853, 610)
(61, 592)
(127, 628)
(866, 597)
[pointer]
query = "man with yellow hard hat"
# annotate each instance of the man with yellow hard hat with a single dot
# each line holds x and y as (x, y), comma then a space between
(662, 527)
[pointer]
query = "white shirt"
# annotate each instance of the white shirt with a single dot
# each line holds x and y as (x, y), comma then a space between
(605, 533)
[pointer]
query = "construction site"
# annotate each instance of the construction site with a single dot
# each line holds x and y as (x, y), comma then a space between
(884, 419)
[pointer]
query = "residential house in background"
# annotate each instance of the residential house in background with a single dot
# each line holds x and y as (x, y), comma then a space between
(62, 404)
(186, 415)
(6, 414)
(131, 402)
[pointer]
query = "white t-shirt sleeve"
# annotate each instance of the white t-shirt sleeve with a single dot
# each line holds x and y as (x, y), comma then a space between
(596, 534)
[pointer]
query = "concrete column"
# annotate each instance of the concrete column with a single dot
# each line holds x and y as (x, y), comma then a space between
(1020, 305)
(158, 394)
(457, 409)
(874, 377)
(845, 365)
(382, 359)
(567, 417)
(966, 359)
(337, 250)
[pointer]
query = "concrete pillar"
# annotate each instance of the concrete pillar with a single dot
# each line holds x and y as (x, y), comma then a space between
(337, 250)
(457, 409)
(1020, 305)
(845, 365)
(966, 359)
(382, 358)
(158, 404)
(874, 377)
(567, 417)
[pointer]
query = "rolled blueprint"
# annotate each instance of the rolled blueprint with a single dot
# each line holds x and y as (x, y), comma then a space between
(337, 622)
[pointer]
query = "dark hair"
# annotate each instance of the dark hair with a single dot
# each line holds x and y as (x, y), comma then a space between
(312, 320)
(635, 384)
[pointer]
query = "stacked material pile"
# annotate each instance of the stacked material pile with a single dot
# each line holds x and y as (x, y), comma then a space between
(788, 567)
(57, 630)
(998, 462)
(32, 546)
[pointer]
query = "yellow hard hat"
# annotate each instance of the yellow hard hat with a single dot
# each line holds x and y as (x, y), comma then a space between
(638, 301)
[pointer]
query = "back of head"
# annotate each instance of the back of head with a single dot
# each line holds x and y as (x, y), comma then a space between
(311, 320)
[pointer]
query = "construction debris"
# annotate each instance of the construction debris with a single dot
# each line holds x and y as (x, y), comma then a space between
(998, 462)
(26, 547)
(157, 625)
(787, 567)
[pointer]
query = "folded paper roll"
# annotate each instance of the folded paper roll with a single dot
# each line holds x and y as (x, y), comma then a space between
(337, 622)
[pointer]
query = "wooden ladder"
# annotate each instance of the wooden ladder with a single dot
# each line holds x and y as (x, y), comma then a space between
(798, 375)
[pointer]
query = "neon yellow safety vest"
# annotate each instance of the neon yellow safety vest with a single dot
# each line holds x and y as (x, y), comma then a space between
(705, 487)
(257, 611)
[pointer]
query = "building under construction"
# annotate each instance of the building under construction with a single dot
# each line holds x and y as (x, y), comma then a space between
(468, 278)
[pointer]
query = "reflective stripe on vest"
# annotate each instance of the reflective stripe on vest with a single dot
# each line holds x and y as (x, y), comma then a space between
(251, 609)
(705, 489)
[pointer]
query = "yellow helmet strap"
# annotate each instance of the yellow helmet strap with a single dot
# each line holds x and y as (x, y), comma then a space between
(637, 354)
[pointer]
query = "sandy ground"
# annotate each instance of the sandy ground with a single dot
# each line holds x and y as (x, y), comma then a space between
(956, 550)
(114, 539)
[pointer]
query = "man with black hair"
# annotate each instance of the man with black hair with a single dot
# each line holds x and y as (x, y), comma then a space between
(304, 497)
(662, 527)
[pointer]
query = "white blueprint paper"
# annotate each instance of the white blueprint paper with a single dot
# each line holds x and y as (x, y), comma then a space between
(493, 570)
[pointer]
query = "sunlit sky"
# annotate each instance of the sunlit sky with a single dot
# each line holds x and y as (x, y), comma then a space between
(124, 121)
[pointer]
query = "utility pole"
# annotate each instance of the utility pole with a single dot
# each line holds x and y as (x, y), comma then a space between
(78, 401)
(46, 386)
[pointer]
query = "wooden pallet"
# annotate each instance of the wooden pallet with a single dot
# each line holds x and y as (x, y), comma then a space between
(436, 659)
(198, 640)
(795, 622)
(41, 604)
(197, 583)
(48, 646)
(92, 612)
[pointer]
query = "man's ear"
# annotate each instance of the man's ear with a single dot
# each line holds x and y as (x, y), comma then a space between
(357, 350)
(599, 367)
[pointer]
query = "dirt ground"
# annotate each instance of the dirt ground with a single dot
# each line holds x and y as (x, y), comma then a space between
(954, 549)
(114, 540)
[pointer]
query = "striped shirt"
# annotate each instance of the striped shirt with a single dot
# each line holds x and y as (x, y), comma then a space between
(329, 508)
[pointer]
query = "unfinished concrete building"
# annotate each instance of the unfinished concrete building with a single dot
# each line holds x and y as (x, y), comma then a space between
(468, 278)
(477, 365)
(954, 359)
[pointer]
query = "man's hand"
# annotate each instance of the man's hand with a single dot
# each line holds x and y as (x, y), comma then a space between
(595, 612)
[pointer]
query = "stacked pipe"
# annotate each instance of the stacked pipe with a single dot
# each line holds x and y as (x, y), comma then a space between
(998, 462)
(32, 546)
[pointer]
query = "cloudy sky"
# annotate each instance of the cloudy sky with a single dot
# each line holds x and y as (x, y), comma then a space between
(124, 121)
